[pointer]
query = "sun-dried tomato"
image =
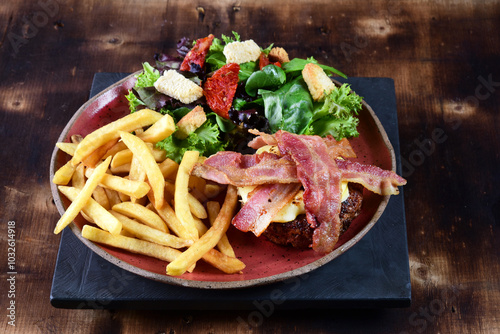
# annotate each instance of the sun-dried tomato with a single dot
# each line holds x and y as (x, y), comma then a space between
(195, 58)
(220, 88)
(264, 61)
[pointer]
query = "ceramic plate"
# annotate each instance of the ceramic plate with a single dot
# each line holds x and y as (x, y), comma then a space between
(265, 261)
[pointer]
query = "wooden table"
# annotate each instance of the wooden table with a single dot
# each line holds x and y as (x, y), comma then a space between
(443, 57)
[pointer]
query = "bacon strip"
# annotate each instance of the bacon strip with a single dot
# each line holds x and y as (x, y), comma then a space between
(263, 205)
(380, 181)
(321, 180)
(262, 139)
(341, 148)
(243, 170)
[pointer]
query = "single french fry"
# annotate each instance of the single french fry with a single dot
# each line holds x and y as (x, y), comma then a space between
(160, 130)
(212, 190)
(125, 156)
(147, 233)
(209, 240)
(124, 198)
(128, 187)
(198, 183)
(120, 146)
(95, 157)
(68, 148)
(226, 264)
(147, 161)
(169, 192)
(159, 154)
(167, 213)
(110, 132)
(121, 158)
(126, 233)
(197, 209)
(75, 207)
(113, 196)
(223, 245)
(130, 244)
(146, 216)
(95, 212)
(169, 168)
(182, 209)
(64, 174)
(123, 169)
(200, 196)
(78, 178)
(100, 197)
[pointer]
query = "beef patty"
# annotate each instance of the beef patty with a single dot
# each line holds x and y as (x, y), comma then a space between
(298, 233)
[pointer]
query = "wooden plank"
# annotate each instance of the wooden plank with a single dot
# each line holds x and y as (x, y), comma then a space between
(443, 57)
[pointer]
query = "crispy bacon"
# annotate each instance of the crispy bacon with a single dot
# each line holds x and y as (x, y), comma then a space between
(263, 204)
(242, 170)
(321, 180)
(307, 161)
(373, 178)
(341, 148)
(262, 139)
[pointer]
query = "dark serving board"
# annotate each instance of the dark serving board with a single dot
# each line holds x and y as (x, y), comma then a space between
(373, 273)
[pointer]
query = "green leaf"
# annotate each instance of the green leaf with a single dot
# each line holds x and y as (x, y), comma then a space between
(204, 140)
(288, 108)
(246, 70)
(133, 101)
(270, 77)
(148, 76)
(297, 108)
(336, 115)
(297, 65)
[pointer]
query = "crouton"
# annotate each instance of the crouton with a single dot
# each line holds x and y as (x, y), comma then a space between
(318, 83)
(175, 85)
(278, 54)
(190, 122)
(241, 52)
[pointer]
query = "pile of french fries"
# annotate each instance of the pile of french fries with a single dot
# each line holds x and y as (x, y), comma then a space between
(136, 199)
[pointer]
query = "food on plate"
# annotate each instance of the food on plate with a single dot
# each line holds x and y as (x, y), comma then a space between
(226, 133)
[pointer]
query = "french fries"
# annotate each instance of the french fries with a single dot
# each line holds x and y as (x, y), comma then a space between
(147, 161)
(110, 132)
(141, 213)
(182, 209)
(136, 199)
(209, 240)
(77, 205)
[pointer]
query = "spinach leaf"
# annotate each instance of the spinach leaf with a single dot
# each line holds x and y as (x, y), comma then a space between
(246, 70)
(288, 108)
(297, 64)
(270, 77)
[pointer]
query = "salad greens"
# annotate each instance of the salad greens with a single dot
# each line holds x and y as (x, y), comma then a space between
(274, 97)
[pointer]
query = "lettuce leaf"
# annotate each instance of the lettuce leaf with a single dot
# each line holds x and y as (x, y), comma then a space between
(204, 140)
(336, 116)
(289, 108)
(133, 101)
(148, 76)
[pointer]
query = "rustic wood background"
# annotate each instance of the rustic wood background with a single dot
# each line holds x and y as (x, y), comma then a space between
(444, 57)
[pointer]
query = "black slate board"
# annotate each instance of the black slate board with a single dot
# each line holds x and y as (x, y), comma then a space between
(373, 273)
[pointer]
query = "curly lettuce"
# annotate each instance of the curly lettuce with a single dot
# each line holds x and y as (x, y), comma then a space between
(336, 116)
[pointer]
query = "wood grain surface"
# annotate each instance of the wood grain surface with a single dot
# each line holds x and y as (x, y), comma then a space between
(443, 57)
